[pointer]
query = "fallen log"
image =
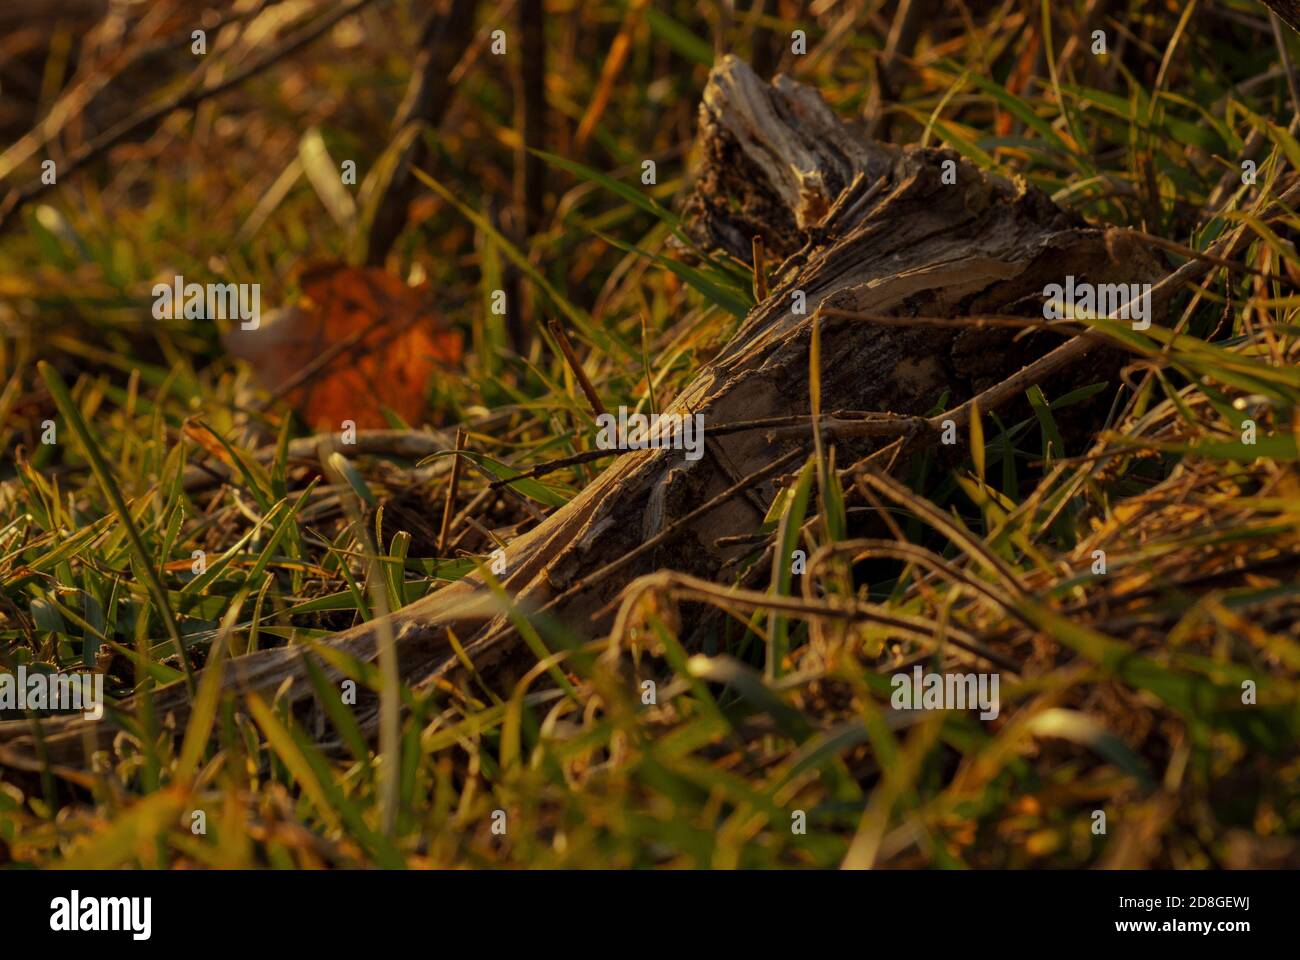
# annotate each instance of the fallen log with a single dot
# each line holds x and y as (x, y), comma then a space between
(858, 226)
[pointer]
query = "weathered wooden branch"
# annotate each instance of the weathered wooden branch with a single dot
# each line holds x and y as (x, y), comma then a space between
(858, 226)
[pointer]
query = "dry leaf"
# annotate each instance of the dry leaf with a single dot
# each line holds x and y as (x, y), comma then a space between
(359, 340)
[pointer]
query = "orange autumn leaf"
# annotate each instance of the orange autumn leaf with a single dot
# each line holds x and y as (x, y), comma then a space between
(358, 340)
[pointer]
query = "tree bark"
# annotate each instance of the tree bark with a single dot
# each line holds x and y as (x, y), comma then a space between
(860, 226)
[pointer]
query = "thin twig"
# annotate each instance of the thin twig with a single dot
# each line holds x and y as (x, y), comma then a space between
(190, 95)
(1276, 23)
(452, 484)
(92, 78)
(571, 358)
(760, 269)
(1288, 10)
(552, 466)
